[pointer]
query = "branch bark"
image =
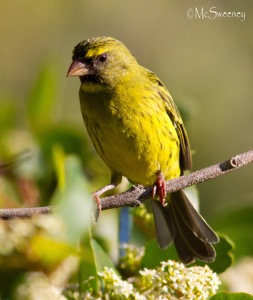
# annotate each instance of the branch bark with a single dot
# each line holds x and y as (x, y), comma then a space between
(137, 194)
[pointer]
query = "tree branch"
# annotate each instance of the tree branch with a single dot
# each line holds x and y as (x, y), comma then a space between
(137, 194)
(10, 213)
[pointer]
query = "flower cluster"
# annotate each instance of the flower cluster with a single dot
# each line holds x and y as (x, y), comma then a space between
(131, 260)
(172, 280)
(116, 288)
(175, 281)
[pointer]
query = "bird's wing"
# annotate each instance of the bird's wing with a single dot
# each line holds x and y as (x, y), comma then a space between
(172, 110)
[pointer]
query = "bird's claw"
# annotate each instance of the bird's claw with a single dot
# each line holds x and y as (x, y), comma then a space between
(159, 188)
(96, 198)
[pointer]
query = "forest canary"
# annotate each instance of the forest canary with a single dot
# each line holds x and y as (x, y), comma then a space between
(137, 130)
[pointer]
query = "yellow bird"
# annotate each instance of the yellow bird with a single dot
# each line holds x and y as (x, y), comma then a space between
(137, 130)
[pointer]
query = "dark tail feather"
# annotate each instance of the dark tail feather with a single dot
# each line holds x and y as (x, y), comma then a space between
(164, 225)
(181, 223)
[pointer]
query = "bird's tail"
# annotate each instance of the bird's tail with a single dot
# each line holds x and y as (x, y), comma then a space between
(181, 223)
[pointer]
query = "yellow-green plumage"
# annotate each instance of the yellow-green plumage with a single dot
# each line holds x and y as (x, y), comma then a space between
(120, 127)
(137, 130)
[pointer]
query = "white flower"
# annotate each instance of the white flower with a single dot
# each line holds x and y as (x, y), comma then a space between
(116, 288)
(175, 281)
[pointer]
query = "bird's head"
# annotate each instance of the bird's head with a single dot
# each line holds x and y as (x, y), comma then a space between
(101, 60)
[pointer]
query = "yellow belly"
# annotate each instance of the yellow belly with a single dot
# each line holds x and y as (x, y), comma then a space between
(135, 144)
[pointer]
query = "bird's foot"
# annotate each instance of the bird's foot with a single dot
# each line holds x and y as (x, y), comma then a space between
(159, 188)
(96, 197)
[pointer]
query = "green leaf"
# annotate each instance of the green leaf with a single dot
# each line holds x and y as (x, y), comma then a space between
(42, 97)
(224, 255)
(88, 278)
(154, 255)
(231, 296)
(93, 260)
(72, 199)
(238, 224)
(101, 258)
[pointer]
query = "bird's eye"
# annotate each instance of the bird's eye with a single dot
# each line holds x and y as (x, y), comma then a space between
(102, 57)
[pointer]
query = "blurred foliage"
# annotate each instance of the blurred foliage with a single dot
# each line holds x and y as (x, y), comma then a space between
(46, 158)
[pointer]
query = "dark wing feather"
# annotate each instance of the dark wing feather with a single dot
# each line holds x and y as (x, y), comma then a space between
(172, 110)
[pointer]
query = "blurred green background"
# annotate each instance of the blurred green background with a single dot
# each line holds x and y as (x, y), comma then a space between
(206, 64)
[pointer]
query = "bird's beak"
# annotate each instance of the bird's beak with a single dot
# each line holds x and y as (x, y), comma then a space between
(78, 68)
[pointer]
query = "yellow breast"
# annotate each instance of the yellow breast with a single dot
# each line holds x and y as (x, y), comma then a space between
(134, 138)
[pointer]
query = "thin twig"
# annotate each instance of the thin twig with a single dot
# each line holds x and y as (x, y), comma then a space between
(137, 194)
(10, 213)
